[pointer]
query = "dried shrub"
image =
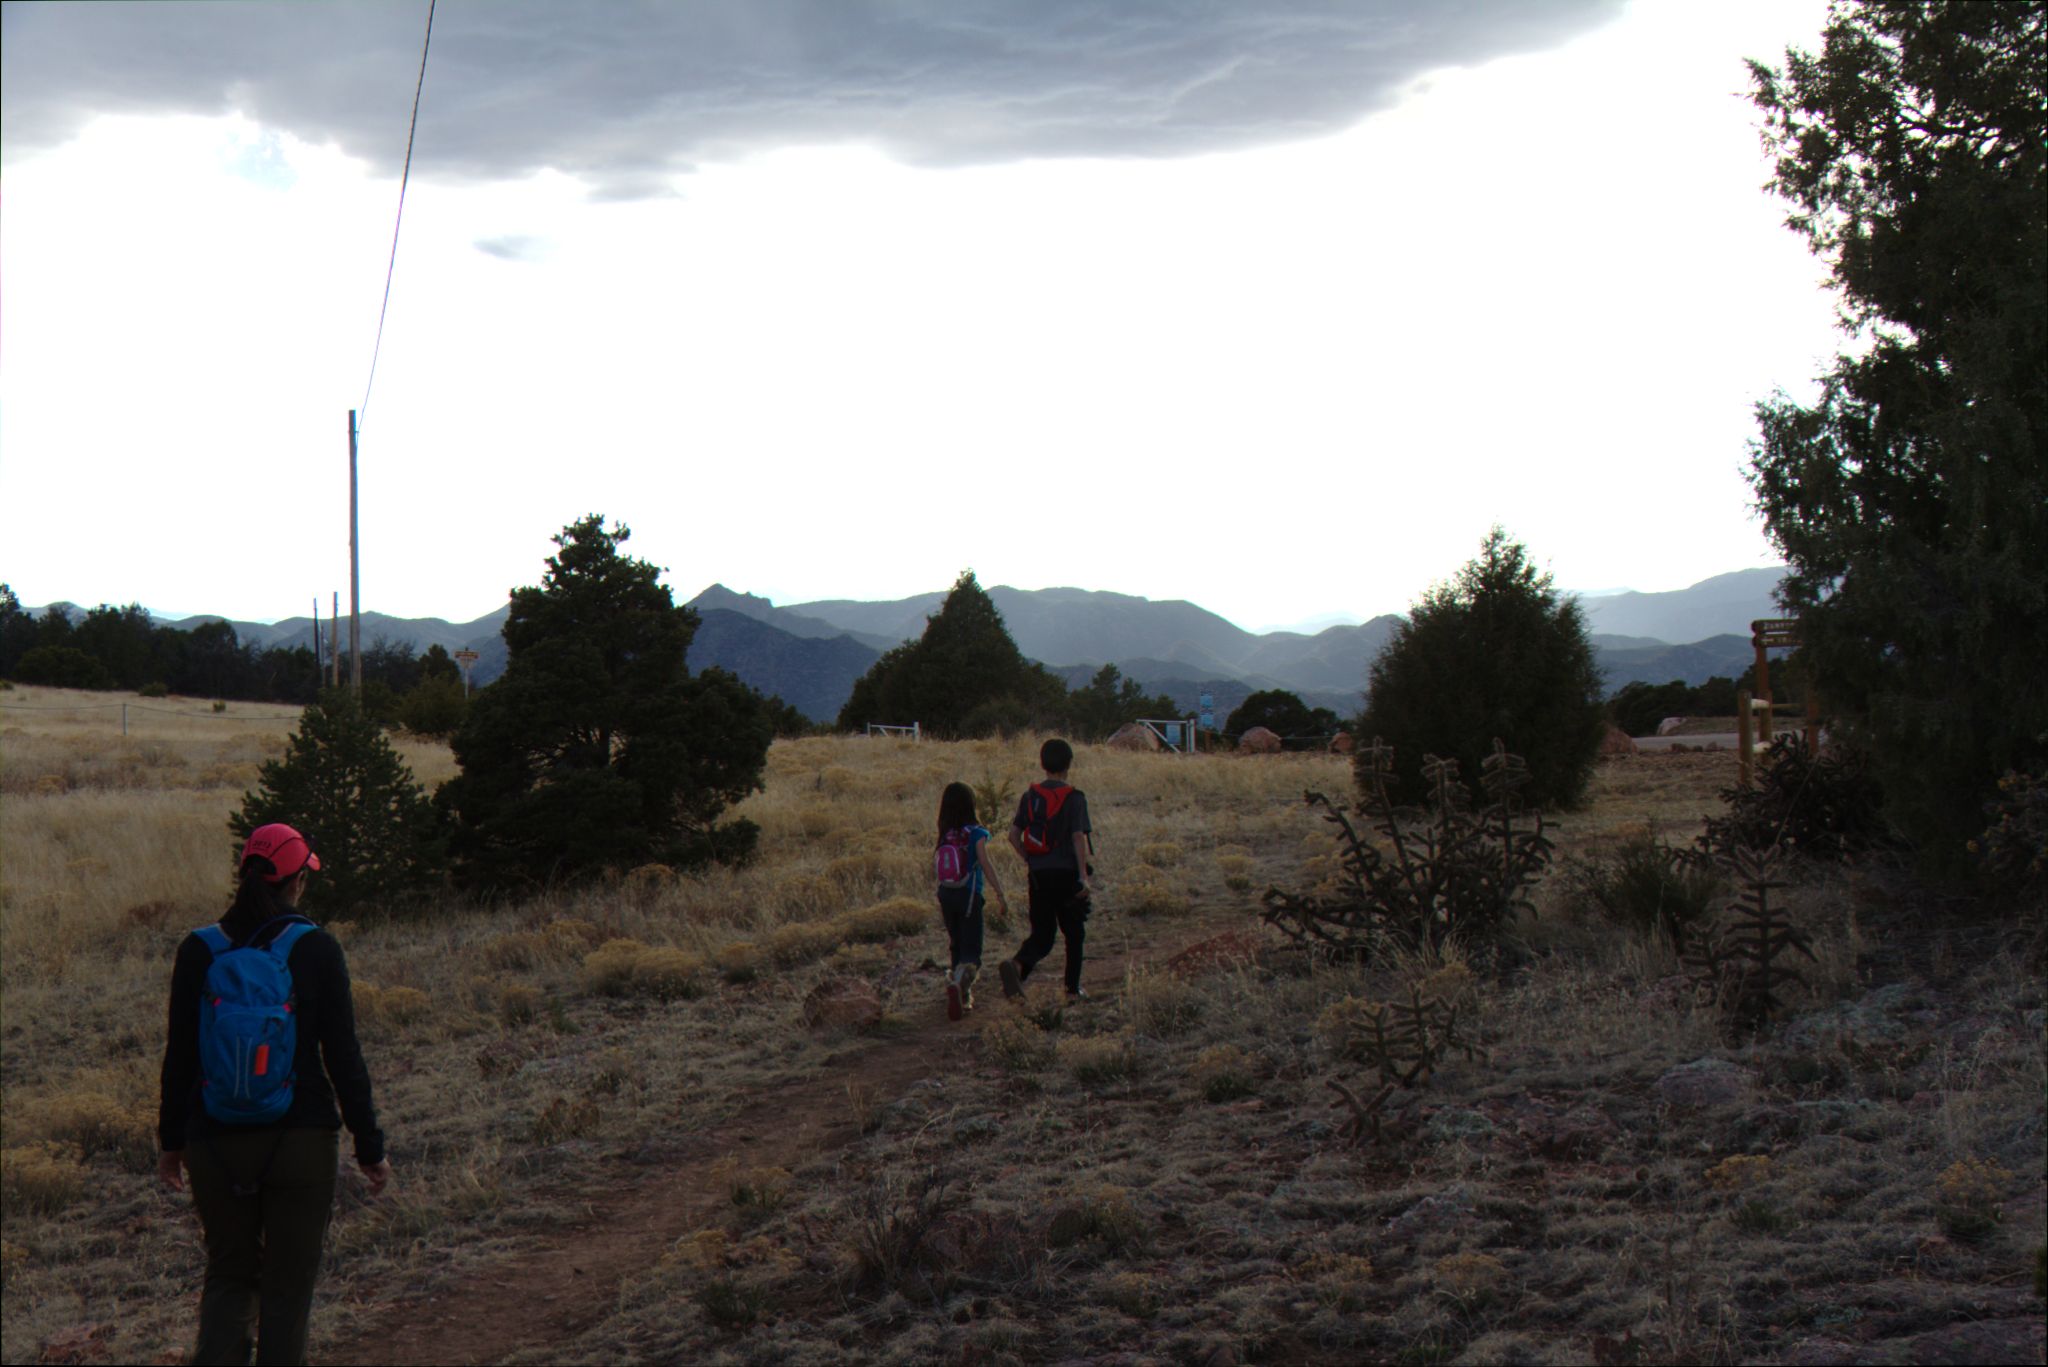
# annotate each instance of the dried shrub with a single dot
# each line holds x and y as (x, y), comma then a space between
(1013, 1040)
(517, 951)
(613, 1069)
(1224, 1072)
(1160, 1004)
(1470, 1278)
(801, 941)
(738, 962)
(668, 974)
(1135, 1293)
(39, 1179)
(1645, 887)
(1146, 891)
(891, 1244)
(96, 1124)
(1969, 1197)
(570, 936)
(563, 1119)
(1826, 808)
(1442, 872)
(1236, 870)
(1739, 1172)
(755, 1188)
(518, 1003)
(392, 1006)
(1098, 1059)
(1103, 1215)
(1342, 1281)
(884, 920)
(1159, 853)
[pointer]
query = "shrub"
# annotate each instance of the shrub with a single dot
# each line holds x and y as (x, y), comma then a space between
(1448, 872)
(2013, 850)
(1224, 1073)
(1494, 652)
(884, 920)
(381, 843)
(1098, 1059)
(1103, 1214)
(1145, 891)
(39, 1179)
(389, 1005)
(1646, 887)
(63, 667)
(1015, 1042)
(1236, 870)
(628, 968)
(738, 962)
(153, 690)
(97, 1124)
(1825, 807)
(1342, 1281)
(518, 1003)
(437, 706)
(801, 941)
(1968, 1197)
(1162, 1004)
(598, 750)
(517, 951)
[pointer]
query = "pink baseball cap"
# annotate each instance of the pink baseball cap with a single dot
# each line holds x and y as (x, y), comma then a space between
(284, 847)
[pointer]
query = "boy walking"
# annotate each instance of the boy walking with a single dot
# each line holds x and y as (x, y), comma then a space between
(1051, 834)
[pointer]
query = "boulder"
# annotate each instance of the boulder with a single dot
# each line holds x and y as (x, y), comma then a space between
(1132, 736)
(843, 1004)
(1343, 743)
(1670, 725)
(1617, 742)
(1258, 741)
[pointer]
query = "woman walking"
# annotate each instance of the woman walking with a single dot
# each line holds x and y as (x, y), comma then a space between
(261, 1045)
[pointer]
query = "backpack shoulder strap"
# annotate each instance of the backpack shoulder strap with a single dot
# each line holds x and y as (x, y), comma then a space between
(281, 943)
(215, 939)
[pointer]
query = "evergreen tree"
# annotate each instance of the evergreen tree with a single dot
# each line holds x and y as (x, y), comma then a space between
(380, 842)
(597, 749)
(964, 676)
(1281, 712)
(1911, 501)
(1109, 700)
(1494, 653)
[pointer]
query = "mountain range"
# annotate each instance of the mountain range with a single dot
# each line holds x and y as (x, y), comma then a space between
(809, 654)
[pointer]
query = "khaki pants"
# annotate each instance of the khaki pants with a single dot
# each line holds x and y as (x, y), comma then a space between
(262, 1248)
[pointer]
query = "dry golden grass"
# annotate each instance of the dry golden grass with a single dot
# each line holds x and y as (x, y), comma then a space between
(1155, 1174)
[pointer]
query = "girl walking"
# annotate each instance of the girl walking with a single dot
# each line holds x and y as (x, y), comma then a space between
(261, 1046)
(959, 865)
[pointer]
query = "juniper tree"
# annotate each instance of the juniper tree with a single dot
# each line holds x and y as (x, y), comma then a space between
(381, 843)
(1911, 500)
(598, 749)
(1494, 653)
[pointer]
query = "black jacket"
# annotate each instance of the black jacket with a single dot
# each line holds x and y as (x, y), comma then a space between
(326, 1035)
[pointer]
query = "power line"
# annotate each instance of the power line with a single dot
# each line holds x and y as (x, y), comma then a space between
(405, 176)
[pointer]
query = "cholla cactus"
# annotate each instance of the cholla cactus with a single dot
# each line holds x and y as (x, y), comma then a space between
(1448, 870)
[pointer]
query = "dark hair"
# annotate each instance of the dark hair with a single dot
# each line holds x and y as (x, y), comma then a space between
(956, 808)
(257, 899)
(1055, 756)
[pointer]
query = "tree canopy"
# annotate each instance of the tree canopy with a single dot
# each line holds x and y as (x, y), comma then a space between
(963, 677)
(1911, 499)
(344, 788)
(1283, 713)
(1493, 653)
(598, 749)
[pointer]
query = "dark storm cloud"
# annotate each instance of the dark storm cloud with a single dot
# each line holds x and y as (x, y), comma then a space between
(627, 95)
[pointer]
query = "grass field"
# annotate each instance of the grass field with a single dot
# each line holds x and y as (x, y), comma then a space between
(616, 1139)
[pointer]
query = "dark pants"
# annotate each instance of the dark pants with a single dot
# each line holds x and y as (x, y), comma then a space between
(262, 1249)
(963, 925)
(1057, 903)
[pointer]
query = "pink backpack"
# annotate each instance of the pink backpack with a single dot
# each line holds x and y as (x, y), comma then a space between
(953, 859)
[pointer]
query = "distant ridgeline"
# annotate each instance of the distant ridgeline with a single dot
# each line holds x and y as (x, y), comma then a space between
(810, 654)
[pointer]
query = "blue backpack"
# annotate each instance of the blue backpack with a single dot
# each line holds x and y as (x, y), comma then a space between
(248, 1028)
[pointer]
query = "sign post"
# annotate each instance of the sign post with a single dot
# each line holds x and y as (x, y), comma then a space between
(465, 658)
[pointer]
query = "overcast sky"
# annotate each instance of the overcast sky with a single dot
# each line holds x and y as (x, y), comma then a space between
(1273, 306)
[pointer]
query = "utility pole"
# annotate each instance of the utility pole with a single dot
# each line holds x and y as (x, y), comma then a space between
(318, 671)
(355, 605)
(334, 640)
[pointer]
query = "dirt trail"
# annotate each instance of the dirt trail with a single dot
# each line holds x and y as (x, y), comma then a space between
(556, 1289)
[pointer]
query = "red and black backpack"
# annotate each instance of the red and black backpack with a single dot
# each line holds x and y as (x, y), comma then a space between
(1042, 805)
